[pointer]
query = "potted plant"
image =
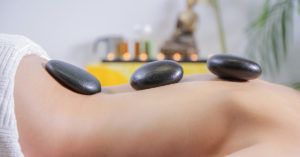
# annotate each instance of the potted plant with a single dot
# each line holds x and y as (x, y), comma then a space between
(270, 35)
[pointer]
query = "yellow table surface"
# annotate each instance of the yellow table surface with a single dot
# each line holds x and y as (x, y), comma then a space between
(117, 73)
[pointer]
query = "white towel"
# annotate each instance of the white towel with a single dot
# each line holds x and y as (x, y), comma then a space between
(12, 49)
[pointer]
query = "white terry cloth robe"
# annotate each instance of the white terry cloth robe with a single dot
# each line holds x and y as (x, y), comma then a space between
(12, 49)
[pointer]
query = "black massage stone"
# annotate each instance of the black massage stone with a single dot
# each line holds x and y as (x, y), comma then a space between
(74, 78)
(233, 68)
(157, 73)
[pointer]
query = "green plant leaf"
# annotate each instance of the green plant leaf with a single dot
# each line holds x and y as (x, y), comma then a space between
(269, 36)
(275, 47)
(298, 6)
(262, 18)
(283, 31)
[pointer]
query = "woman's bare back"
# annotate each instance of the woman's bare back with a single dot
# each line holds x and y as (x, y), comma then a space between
(200, 116)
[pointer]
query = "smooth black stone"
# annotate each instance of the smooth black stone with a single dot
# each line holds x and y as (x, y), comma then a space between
(155, 74)
(74, 78)
(233, 68)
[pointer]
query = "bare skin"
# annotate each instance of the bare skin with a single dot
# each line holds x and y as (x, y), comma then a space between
(200, 116)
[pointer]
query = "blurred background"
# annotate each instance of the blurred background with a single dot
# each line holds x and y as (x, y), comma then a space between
(267, 31)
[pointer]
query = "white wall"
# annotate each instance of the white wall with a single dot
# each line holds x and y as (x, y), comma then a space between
(67, 28)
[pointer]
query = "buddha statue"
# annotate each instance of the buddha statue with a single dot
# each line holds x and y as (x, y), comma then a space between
(182, 40)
